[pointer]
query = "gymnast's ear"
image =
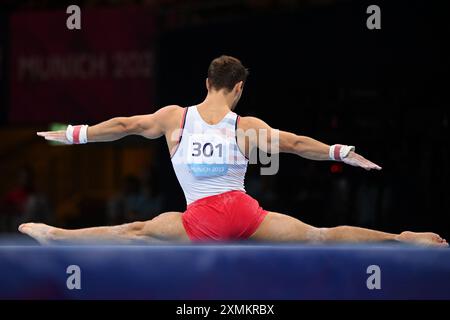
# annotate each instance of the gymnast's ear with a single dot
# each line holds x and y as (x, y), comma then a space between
(207, 84)
(239, 86)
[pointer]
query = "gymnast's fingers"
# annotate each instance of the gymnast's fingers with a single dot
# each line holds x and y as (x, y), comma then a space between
(364, 163)
(371, 165)
(51, 133)
(57, 139)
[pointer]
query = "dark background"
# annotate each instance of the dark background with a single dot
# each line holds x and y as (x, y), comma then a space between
(315, 69)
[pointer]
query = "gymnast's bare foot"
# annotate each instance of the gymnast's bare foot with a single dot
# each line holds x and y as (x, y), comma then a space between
(42, 233)
(422, 238)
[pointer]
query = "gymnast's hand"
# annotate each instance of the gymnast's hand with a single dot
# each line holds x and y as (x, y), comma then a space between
(357, 160)
(72, 135)
(58, 136)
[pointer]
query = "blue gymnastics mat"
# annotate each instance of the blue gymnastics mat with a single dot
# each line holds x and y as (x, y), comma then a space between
(263, 271)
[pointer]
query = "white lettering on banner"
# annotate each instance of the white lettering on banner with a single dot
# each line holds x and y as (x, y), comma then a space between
(135, 64)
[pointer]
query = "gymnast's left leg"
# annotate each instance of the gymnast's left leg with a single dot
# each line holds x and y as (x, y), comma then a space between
(165, 227)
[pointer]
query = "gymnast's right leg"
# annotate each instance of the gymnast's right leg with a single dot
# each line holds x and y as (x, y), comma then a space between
(165, 227)
(278, 227)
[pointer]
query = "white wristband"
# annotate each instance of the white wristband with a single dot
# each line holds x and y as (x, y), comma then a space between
(338, 152)
(69, 133)
(77, 134)
(83, 134)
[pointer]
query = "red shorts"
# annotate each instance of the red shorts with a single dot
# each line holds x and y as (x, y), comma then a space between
(232, 215)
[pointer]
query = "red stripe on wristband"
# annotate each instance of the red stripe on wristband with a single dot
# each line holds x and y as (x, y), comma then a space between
(337, 152)
(76, 134)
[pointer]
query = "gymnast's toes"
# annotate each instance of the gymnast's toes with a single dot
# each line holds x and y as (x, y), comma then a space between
(422, 238)
(39, 231)
(24, 227)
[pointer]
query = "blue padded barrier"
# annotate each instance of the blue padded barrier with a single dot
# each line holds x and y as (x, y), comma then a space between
(229, 271)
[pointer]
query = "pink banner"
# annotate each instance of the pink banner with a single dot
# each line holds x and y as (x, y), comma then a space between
(104, 70)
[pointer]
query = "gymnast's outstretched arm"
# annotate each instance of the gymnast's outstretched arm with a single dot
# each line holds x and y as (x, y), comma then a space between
(274, 140)
(150, 126)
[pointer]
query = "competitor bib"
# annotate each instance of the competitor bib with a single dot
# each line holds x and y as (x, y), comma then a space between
(207, 155)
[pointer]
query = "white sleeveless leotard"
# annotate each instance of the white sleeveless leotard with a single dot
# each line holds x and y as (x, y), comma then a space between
(207, 160)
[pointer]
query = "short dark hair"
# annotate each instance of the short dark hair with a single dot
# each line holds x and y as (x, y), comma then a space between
(225, 71)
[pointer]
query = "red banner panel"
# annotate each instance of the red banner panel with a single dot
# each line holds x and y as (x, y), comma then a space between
(103, 70)
(3, 41)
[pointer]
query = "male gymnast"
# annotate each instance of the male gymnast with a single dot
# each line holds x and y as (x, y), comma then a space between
(210, 146)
